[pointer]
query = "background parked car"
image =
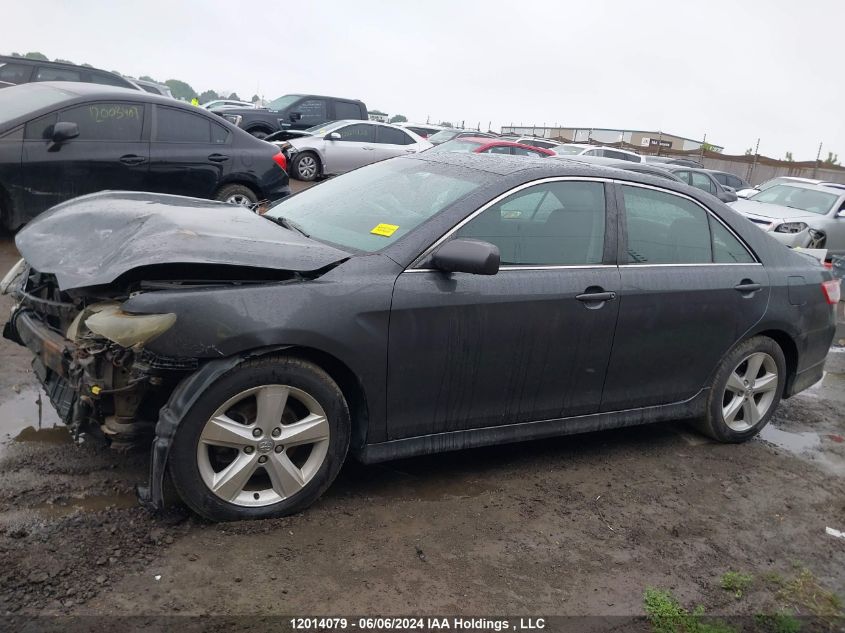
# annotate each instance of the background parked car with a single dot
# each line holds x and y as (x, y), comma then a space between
(294, 112)
(341, 146)
(581, 149)
(226, 103)
(704, 180)
(153, 87)
(59, 140)
(422, 129)
(22, 70)
(639, 168)
(671, 160)
(483, 145)
(783, 180)
(448, 134)
(799, 214)
(536, 142)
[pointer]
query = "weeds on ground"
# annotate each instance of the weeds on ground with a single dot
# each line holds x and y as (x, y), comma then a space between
(736, 583)
(805, 594)
(668, 616)
(777, 623)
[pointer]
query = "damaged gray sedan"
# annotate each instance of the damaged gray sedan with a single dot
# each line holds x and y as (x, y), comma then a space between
(423, 304)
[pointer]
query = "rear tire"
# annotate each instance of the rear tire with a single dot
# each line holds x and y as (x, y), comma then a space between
(306, 166)
(236, 194)
(746, 390)
(229, 461)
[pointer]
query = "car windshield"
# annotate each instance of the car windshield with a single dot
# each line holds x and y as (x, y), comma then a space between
(443, 135)
(372, 207)
(801, 198)
(19, 100)
(567, 150)
(457, 145)
(282, 102)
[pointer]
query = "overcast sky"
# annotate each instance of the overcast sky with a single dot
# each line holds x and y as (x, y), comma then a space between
(733, 70)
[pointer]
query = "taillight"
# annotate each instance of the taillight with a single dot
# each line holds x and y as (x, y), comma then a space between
(831, 291)
(281, 161)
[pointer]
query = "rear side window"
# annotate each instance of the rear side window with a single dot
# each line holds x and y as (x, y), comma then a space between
(346, 110)
(56, 74)
(557, 223)
(665, 229)
(726, 248)
(107, 80)
(177, 126)
(14, 73)
(392, 136)
(107, 121)
(498, 149)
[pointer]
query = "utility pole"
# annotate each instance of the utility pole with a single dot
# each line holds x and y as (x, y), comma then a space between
(750, 174)
(703, 143)
(818, 157)
(659, 141)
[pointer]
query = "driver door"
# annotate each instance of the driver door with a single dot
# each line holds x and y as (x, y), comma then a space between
(355, 148)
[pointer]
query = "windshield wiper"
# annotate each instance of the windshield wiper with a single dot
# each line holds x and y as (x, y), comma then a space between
(288, 224)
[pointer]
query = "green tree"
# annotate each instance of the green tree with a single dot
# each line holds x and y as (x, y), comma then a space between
(87, 65)
(445, 124)
(832, 159)
(234, 96)
(255, 99)
(789, 158)
(39, 56)
(147, 78)
(180, 89)
(398, 118)
(63, 61)
(208, 95)
(16, 55)
(749, 152)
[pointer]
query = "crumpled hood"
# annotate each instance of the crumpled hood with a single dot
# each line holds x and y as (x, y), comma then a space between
(92, 240)
(772, 211)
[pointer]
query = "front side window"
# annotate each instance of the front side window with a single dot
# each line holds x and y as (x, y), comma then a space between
(312, 111)
(359, 133)
(722, 179)
(557, 223)
(107, 121)
(370, 208)
(734, 182)
(56, 74)
(665, 229)
(177, 126)
(701, 181)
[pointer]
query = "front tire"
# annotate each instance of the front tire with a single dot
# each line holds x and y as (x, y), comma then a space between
(236, 194)
(746, 390)
(266, 440)
(306, 166)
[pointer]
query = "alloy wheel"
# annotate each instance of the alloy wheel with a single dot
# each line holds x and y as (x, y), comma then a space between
(750, 391)
(239, 198)
(263, 445)
(307, 167)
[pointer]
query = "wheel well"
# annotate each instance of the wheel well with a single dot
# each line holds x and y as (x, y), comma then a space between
(5, 209)
(259, 127)
(248, 185)
(790, 353)
(349, 384)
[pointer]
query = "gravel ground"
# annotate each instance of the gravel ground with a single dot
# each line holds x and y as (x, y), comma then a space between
(577, 525)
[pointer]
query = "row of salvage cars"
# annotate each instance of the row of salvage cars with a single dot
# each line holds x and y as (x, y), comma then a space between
(437, 301)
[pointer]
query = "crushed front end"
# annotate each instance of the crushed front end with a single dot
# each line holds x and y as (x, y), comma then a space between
(90, 356)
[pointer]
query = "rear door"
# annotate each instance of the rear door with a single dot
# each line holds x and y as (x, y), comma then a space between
(391, 142)
(189, 153)
(690, 289)
(529, 343)
(355, 148)
(112, 151)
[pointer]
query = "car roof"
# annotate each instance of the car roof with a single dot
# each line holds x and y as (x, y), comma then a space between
(833, 188)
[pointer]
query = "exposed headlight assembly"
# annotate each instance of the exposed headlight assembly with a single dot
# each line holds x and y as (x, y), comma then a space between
(790, 227)
(12, 276)
(128, 329)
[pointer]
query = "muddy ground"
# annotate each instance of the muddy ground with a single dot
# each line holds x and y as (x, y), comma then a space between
(577, 525)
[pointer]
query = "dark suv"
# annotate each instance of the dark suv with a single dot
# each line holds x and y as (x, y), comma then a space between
(22, 70)
(293, 112)
(59, 140)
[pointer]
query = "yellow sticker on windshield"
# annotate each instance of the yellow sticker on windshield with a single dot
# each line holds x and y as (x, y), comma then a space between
(384, 229)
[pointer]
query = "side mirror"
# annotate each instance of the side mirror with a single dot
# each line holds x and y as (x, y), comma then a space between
(295, 116)
(840, 213)
(727, 196)
(467, 256)
(744, 193)
(332, 136)
(64, 131)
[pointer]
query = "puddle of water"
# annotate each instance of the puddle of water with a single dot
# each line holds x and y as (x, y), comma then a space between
(67, 506)
(830, 387)
(28, 416)
(807, 445)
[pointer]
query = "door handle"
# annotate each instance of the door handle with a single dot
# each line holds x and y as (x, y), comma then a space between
(596, 297)
(747, 286)
(368, 149)
(132, 159)
(218, 158)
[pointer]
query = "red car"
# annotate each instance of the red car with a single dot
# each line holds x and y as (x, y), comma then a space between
(481, 145)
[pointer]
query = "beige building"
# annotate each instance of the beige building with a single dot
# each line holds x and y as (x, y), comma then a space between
(638, 138)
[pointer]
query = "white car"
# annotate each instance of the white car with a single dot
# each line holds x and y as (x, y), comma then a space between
(537, 142)
(783, 180)
(226, 103)
(582, 149)
(341, 146)
(422, 129)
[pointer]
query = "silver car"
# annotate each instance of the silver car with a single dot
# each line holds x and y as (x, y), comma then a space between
(799, 214)
(340, 146)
